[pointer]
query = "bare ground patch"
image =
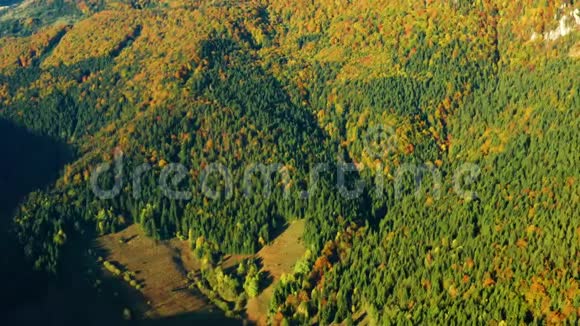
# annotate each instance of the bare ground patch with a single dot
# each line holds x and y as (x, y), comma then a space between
(161, 267)
(278, 258)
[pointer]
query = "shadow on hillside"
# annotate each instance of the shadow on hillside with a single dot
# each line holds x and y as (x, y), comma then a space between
(31, 162)
(28, 162)
(8, 2)
(197, 318)
(258, 95)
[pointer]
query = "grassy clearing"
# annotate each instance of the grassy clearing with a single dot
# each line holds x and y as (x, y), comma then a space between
(277, 258)
(162, 268)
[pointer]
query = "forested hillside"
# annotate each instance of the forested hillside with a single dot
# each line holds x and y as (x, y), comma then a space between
(431, 147)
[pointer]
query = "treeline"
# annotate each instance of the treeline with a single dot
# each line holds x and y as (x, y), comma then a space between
(235, 122)
(435, 85)
(510, 254)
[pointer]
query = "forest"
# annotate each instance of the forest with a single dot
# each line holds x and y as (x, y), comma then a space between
(457, 125)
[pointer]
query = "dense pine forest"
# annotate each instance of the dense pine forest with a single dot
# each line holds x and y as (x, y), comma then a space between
(431, 148)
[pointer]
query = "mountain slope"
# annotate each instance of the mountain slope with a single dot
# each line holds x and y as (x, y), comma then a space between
(459, 123)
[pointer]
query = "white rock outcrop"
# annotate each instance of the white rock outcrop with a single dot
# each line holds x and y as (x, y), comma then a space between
(566, 25)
